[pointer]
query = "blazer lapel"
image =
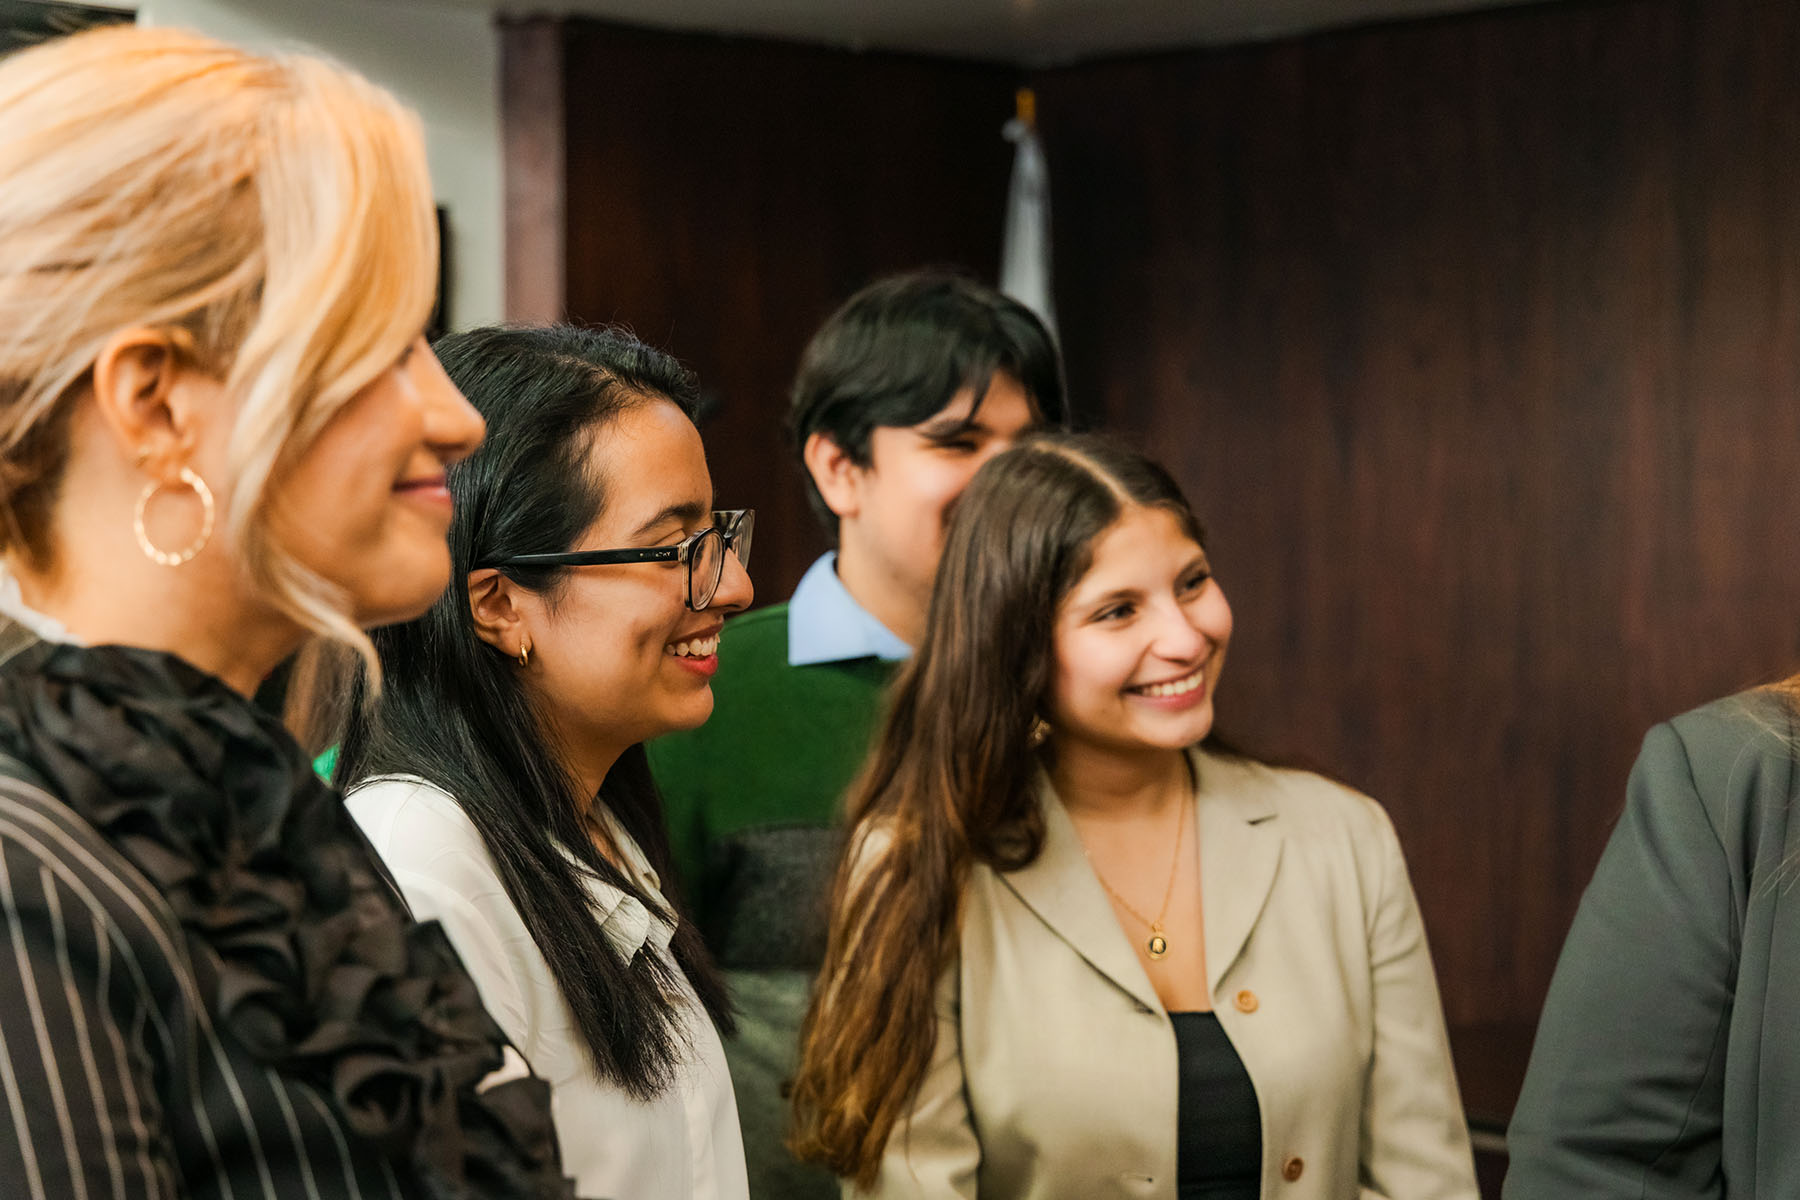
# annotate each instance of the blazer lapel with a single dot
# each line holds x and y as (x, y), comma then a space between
(1240, 847)
(1061, 888)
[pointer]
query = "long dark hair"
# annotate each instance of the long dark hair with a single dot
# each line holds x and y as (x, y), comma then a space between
(951, 780)
(454, 711)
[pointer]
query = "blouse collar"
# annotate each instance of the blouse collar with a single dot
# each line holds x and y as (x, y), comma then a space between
(627, 922)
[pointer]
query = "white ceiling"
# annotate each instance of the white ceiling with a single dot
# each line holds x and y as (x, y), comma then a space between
(1034, 32)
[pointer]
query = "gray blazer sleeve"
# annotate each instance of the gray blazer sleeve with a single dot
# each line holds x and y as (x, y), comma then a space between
(1625, 1089)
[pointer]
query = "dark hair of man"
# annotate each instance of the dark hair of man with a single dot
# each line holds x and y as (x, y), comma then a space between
(900, 350)
(951, 780)
(454, 710)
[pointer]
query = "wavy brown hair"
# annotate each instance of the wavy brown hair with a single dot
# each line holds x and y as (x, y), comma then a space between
(951, 781)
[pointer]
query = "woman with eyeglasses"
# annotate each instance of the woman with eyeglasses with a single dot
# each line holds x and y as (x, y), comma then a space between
(501, 773)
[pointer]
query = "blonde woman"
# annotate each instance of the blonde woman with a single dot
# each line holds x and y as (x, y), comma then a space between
(220, 435)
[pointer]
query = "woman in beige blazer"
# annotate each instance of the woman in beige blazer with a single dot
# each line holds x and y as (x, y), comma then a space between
(1076, 954)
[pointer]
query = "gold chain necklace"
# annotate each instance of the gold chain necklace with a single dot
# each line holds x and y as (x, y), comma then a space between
(1157, 944)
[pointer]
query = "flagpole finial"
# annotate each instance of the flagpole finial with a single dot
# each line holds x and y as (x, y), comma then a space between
(1025, 107)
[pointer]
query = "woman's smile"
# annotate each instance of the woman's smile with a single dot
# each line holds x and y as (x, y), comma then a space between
(698, 652)
(1181, 692)
(430, 491)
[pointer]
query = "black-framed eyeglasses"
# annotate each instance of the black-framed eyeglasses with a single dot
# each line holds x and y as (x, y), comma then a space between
(702, 552)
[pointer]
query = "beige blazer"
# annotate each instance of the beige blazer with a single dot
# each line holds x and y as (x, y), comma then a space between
(1055, 1073)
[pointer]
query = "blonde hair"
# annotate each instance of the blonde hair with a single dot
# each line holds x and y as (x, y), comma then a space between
(273, 212)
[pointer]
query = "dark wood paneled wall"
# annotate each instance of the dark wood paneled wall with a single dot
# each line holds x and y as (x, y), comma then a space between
(536, 159)
(1477, 343)
(724, 195)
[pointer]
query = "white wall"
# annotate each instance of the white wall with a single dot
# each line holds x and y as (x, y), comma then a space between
(443, 61)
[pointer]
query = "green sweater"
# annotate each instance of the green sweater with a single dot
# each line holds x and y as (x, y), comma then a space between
(754, 800)
(754, 796)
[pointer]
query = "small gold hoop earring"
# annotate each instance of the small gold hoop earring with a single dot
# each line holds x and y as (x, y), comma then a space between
(525, 653)
(174, 558)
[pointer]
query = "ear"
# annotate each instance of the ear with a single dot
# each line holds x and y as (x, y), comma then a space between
(142, 386)
(834, 473)
(498, 619)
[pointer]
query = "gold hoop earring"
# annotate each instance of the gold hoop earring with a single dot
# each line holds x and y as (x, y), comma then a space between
(186, 554)
(525, 653)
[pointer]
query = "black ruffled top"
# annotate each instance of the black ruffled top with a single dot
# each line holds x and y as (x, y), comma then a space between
(301, 950)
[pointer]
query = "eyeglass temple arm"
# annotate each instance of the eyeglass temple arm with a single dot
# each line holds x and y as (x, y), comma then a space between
(594, 557)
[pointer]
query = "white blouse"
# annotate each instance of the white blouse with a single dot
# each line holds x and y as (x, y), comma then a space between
(683, 1144)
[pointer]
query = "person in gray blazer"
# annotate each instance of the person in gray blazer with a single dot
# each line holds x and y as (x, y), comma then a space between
(1077, 952)
(1666, 1062)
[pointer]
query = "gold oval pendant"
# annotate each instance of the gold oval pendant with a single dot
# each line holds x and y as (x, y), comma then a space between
(1157, 945)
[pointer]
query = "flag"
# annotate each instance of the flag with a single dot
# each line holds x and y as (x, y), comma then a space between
(1025, 243)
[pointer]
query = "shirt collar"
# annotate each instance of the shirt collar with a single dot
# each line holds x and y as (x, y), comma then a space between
(14, 608)
(825, 624)
(625, 921)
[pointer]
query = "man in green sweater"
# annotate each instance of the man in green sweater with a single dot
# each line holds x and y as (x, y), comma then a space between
(901, 396)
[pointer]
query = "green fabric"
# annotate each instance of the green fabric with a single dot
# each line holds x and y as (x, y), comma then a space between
(326, 763)
(762, 1056)
(783, 744)
(1667, 1063)
(754, 799)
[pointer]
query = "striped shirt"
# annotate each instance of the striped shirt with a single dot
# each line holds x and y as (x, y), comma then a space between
(114, 1082)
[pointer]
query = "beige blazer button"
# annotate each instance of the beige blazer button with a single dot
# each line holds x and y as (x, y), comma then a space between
(1292, 1169)
(1246, 1001)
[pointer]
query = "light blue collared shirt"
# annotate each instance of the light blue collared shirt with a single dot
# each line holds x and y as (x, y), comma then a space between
(825, 624)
